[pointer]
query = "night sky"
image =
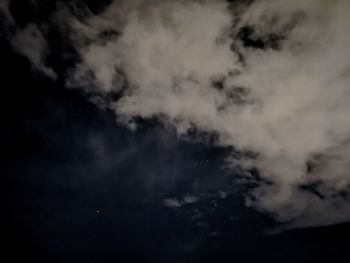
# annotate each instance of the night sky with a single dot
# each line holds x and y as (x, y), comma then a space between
(77, 185)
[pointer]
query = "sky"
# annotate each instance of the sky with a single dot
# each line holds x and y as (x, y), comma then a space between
(175, 131)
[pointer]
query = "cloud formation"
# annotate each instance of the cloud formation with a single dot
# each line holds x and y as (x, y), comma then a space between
(31, 43)
(28, 41)
(284, 98)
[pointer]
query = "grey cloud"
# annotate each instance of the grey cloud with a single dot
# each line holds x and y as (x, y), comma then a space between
(4, 10)
(31, 43)
(289, 105)
(190, 199)
(28, 41)
(172, 203)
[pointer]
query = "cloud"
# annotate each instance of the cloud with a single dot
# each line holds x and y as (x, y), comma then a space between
(190, 199)
(283, 94)
(4, 10)
(172, 203)
(31, 43)
(28, 41)
(303, 94)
